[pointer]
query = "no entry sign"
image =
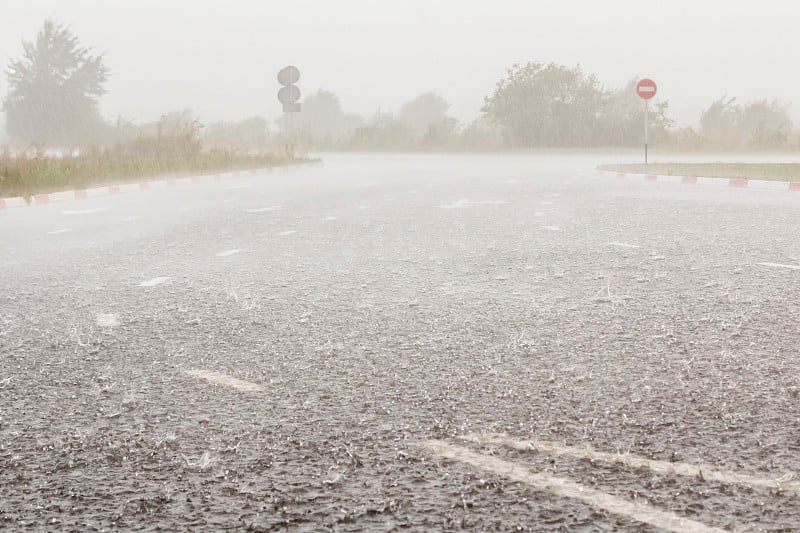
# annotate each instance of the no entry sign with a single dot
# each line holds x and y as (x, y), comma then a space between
(646, 88)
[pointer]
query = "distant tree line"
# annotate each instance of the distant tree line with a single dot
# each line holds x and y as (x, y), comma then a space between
(55, 87)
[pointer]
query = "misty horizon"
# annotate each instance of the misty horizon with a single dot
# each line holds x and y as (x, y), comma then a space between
(221, 64)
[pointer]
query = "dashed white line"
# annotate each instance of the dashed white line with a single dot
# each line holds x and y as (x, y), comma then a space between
(328, 219)
(153, 282)
(128, 219)
(552, 228)
(780, 265)
(60, 231)
(568, 489)
(85, 211)
(285, 233)
(107, 320)
(706, 471)
(464, 202)
(623, 245)
(218, 378)
(228, 253)
(264, 209)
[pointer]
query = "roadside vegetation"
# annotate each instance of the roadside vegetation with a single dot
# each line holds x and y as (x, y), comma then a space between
(760, 171)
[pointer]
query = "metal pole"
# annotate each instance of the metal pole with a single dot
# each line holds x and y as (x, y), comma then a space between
(646, 109)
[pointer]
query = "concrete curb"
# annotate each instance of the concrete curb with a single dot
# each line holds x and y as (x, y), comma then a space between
(112, 190)
(737, 183)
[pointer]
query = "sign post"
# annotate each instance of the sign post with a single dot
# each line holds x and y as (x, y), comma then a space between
(289, 95)
(646, 89)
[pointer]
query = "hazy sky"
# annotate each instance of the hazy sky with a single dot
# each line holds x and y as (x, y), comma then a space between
(219, 58)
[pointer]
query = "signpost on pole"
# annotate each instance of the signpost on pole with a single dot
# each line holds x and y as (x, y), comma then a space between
(289, 95)
(646, 89)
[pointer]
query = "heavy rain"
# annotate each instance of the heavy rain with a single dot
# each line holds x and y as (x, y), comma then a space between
(399, 265)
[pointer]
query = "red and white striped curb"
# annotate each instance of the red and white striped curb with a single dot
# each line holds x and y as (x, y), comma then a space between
(737, 183)
(111, 190)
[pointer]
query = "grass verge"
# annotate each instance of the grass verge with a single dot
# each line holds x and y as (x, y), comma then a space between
(26, 176)
(758, 171)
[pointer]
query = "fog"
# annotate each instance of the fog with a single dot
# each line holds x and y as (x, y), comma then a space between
(220, 58)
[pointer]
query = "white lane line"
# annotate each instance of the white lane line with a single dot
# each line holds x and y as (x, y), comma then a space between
(128, 219)
(464, 202)
(153, 282)
(228, 253)
(218, 378)
(328, 219)
(623, 245)
(706, 471)
(285, 233)
(60, 231)
(568, 489)
(552, 228)
(264, 209)
(779, 265)
(85, 211)
(107, 320)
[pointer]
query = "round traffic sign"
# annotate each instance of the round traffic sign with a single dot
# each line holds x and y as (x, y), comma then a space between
(289, 94)
(288, 75)
(646, 88)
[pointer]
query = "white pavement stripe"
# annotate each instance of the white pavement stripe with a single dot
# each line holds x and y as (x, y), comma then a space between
(568, 489)
(223, 379)
(229, 253)
(107, 320)
(623, 245)
(128, 219)
(153, 282)
(552, 228)
(699, 470)
(779, 265)
(456, 205)
(285, 233)
(328, 219)
(59, 231)
(264, 209)
(85, 211)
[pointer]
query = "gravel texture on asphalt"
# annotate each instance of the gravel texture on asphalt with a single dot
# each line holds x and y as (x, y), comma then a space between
(627, 317)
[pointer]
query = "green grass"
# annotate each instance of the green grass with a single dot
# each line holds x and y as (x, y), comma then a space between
(759, 171)
(26, 176)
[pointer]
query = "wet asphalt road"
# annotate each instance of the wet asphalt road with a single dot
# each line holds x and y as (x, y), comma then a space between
(378, 303)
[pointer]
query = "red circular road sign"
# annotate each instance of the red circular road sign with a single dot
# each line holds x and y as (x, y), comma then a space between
(646, 88)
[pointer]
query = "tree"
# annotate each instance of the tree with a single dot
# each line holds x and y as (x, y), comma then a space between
(54, 89)
(760, 124)
(545, 105)
(422, 112)
(322, 121)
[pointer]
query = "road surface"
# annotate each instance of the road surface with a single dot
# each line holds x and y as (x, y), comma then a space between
(433, 342)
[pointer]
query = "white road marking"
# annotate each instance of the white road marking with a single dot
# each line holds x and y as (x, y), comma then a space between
(128, 219)
(779, 265)
(264, 209)
(285, 233)
(552, 228)
(153, 282)
(466, 202)
(107, 320)
(229, 253)
(706, 471)
(60, 231)
(85, 211)
(218, 378)
(328, 219)
(623, 245)
(568, 489)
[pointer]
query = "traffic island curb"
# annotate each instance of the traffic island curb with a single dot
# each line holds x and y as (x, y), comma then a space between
(736, 183)
(144, 185)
